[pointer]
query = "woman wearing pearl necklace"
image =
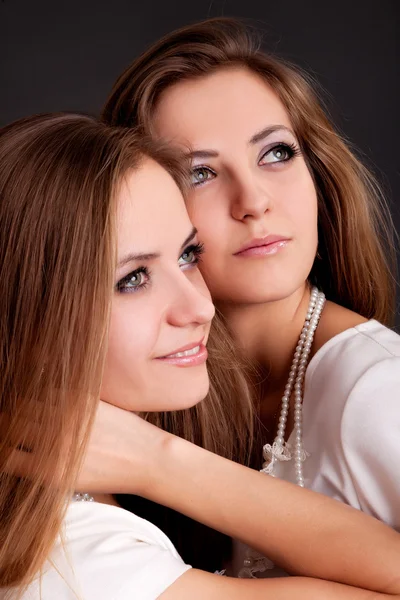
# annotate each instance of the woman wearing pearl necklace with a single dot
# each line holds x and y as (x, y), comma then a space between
(283, 205)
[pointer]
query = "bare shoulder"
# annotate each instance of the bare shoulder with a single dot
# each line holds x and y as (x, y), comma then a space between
(334, 320)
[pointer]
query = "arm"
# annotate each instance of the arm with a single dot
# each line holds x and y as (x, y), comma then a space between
(198, 585)
(306, 533)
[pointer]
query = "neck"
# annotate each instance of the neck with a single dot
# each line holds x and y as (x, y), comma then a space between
(268, 334)
(105, 499)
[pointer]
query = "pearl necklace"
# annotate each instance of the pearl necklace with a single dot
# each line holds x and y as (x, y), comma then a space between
(82, 498)
(280, 450)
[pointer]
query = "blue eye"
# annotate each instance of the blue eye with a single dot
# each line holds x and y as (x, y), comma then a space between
(135, 281)
(279, 153)
(201, 175)
(191, 255)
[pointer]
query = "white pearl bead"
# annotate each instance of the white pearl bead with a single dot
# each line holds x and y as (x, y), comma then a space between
(295, 384)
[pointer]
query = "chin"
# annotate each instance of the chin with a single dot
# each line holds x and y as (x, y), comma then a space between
(259, 282)
(184, 396)
(272, 284)
(186, 388)
(261, 293)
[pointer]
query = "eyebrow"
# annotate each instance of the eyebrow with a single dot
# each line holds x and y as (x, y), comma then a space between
(257, 137)
(189, 238)
(145, 256)
(202, 154)
(261, 135)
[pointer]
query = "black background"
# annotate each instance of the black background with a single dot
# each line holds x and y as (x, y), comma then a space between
(60, 55)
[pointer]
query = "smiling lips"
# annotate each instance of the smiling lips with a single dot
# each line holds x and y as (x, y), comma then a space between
(270, 244)
(190, 355)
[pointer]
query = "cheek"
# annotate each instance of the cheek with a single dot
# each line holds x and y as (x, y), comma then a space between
(302, 209)
(212, 222)
(130, 344)
(197, 279)
(295, 201)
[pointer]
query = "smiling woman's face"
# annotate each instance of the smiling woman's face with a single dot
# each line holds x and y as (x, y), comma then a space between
(252, 186)
(161, 309)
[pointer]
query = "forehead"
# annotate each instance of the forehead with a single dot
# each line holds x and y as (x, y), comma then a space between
(231, 104)
(151, 211)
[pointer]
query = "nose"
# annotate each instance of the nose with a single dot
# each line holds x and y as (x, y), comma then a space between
(190, 302)
(250, 199)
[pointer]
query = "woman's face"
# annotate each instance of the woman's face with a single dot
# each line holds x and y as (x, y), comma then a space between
(254, 202)
(161, 308)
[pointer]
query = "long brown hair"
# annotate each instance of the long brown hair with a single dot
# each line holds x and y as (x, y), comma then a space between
(58, 178)
(356, 257)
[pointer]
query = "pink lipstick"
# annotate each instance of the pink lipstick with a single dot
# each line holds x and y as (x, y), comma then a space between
(190, 355)
(270, 244)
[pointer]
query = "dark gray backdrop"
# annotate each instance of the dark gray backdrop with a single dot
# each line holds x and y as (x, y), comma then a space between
(60, 55)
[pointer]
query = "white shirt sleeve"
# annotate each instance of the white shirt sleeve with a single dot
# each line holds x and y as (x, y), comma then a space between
(371, 440)
(107, 553)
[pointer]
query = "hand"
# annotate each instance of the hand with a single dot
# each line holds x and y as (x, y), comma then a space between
(122, 454)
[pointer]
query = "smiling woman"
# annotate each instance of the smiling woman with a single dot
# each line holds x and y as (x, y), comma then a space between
(162, 308)
(112, 300)
(67, 214)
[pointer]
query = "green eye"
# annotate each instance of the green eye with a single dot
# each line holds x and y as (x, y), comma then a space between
(279, 154)
(188, 257)
(191, 255)
(201, 175)
(133, 282)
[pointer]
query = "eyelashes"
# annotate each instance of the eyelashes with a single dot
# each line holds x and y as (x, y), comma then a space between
(195, 251)
(134, 281)
(140, 278)
(278, 153)
(201, 174)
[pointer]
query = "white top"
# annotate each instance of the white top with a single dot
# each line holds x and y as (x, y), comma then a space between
(108, 554)
(351, 423)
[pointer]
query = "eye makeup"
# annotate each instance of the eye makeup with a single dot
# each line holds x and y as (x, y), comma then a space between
(140, 278)
(280, 152)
